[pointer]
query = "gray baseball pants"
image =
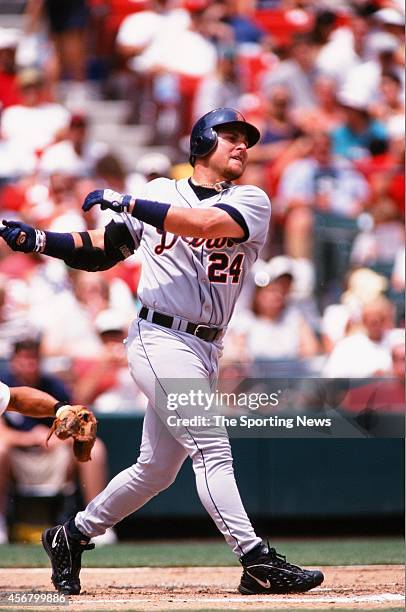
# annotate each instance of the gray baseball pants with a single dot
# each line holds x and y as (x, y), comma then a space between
(157, 355)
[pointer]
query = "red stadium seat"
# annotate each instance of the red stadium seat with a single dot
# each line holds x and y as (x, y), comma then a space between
(282, 24)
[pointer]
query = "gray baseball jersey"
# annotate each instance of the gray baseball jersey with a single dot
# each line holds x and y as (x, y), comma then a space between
(199, 279)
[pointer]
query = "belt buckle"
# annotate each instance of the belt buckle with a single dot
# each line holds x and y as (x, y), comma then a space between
(200, 328)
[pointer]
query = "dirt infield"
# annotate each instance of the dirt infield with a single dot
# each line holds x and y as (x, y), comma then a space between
(195, 588)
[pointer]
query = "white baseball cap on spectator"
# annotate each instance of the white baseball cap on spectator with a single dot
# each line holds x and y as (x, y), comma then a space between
(364, 286)
(153, 163)
(9, 38)
(61, 159)
(110, 320)
(278, 266)
(353, 99)
(396, 127)
(390, 16)
(382, 42)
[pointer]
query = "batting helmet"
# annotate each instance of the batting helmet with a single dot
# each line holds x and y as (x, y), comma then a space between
(203, 138)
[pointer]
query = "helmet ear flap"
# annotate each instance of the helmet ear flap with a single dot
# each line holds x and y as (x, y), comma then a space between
(206, 141)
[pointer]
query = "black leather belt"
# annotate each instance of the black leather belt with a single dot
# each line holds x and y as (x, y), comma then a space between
(204, 332)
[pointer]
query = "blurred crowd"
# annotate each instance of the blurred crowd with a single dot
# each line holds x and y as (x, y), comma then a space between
(323, 81)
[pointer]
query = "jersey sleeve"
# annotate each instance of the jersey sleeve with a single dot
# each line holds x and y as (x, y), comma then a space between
(250, 207)
(4, 397)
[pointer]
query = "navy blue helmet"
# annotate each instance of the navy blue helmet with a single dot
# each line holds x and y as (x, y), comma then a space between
(203, 138)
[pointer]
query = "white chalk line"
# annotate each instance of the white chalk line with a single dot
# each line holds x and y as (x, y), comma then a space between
(189, 569)
(383, 598)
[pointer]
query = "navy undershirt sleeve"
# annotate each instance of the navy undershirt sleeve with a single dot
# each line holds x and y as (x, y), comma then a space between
(238, 218)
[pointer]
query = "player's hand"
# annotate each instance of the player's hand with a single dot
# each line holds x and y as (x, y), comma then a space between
(107, 198)
(19, 236)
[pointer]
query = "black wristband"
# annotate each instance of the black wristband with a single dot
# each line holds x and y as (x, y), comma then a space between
(150, 212)
(58, 405)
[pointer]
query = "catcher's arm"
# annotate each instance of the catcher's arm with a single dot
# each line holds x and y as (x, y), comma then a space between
(31, 402)
(76, 422)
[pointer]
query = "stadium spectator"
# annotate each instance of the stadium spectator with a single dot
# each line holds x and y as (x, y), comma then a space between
(345, 48)
(364, 79)
(298, 73)
(67, 22)
(320, 182)
(220, 88)
(279, 128)
(80, 304)
(110, 171)
(390, 99)
(34, 123)
(148, 167)
(384, 167)
(88, 295)
(59, 210)
(391, 19)
(366, 352)
(9, 93)
(154, 165)
(275, 329)
(138, 30)
(339, 320)
(327, 114)
(230, 22)
(13, 323)
(386, 395)
(380, 242)
(76, 154)
(106, 382)
(173, 45)
(323, 26)
(353, 138)
(24, 454)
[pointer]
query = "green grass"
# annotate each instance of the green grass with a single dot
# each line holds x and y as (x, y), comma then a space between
(340, 551)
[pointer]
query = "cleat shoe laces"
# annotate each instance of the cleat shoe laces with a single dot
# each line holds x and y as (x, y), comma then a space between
(266, 571)
(65, 553)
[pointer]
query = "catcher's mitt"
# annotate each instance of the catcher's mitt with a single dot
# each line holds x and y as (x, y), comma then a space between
(79, 423)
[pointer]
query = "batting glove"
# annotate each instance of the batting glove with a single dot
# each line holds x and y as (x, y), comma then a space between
(22, 237)
(107, 198)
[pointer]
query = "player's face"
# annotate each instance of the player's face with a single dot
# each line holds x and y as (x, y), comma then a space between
(230, 156)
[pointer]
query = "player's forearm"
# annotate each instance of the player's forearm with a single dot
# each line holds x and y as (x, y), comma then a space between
(32, 402)
(205, 223)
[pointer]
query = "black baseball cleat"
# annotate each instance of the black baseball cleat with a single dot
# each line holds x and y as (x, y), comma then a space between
(266, 571)
(65, 553)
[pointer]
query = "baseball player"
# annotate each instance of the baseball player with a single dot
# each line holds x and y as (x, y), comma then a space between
(198, 238)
